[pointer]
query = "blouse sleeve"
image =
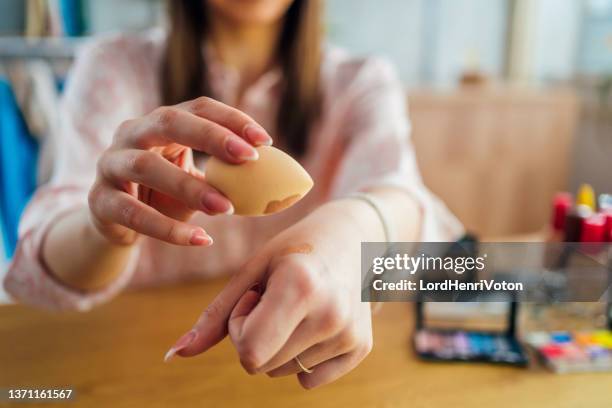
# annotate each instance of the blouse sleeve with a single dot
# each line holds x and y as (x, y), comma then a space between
(98, 96)
(378, 149)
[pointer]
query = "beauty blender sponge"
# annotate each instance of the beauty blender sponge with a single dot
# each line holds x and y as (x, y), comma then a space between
(265, 186)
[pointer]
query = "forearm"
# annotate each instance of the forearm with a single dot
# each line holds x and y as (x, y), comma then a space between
(79, 256)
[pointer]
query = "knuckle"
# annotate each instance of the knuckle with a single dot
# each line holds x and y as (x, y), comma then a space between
(94, 198)
(367, 345)
(200, 104)
(348, 340)
(236, 117)
(361, 353)
(207, 130)
(334, 317)
(305, 279)
(171, 233)
(130, 216)
(214, 311)
(122, 131)
(103, 163)
(165, 116)
(139, 164)
(249, 358)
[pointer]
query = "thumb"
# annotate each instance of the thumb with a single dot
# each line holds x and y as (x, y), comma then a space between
(211, 326)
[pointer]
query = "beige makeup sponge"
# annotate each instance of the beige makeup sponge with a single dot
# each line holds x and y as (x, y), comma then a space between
(265, 186)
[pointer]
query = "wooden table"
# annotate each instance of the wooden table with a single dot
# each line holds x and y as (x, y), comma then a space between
(113, 358)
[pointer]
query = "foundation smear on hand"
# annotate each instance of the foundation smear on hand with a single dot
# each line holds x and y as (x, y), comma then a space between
(304, 248)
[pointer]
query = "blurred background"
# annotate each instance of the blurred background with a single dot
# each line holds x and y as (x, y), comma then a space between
(509, 99)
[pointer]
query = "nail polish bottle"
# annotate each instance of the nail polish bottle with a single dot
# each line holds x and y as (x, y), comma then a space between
(562, 205)
(592, 234)
(574, 221)
(585, 207)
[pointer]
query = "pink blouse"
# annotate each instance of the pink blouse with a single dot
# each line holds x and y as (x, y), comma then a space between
(361, 140)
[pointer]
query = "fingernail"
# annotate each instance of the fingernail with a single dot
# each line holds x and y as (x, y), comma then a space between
(257, 135)
(200, 238)
(241, 150)
(215, 203)
(181, 343)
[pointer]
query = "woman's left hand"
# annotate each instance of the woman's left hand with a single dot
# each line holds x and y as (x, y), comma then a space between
(298, 297)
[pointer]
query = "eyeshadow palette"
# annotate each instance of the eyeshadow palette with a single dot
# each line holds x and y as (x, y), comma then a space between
(564, 352)
(433, 343)
(459, 345)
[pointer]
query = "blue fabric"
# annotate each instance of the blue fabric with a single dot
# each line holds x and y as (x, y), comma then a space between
(18, 159)
(72, 17)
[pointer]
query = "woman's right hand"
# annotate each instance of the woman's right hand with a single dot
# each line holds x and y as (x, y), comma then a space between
(146, 180)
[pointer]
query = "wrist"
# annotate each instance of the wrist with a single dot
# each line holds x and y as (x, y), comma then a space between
(356, 217)
(365, 219)
(93, 263)
(107, 234)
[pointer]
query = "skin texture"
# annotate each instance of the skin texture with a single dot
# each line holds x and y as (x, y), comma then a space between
(303, 300)
(286, 301)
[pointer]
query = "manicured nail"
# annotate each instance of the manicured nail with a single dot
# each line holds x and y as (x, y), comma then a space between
(200, 238)
(215, 203)
(181, 343)
(257, 135)
(241, 150)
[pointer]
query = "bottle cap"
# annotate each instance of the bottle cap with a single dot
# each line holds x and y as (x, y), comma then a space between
(562, 203)
(586, 196)
(593, 229)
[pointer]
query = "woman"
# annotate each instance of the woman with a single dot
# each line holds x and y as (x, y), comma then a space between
(293, 305)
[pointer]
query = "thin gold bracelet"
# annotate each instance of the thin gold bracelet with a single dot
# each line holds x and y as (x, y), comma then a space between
(375, 307)
(372, 202)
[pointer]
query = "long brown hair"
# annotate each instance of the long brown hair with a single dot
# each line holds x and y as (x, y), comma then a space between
(299, 53)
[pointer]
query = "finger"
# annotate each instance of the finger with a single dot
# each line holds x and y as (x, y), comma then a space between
(238, 122)
(114, 206)
(173, 125)
(152, 170)
(312, 334)
(245, 305)
(330, 370)
(212, 324)
(268, 327)
(310, 357)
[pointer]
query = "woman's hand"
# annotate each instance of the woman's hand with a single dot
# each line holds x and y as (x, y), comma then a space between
(147, 182)
(298, 297)
(306, 311)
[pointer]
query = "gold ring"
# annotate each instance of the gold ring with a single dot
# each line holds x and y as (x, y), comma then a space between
(302, 367)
